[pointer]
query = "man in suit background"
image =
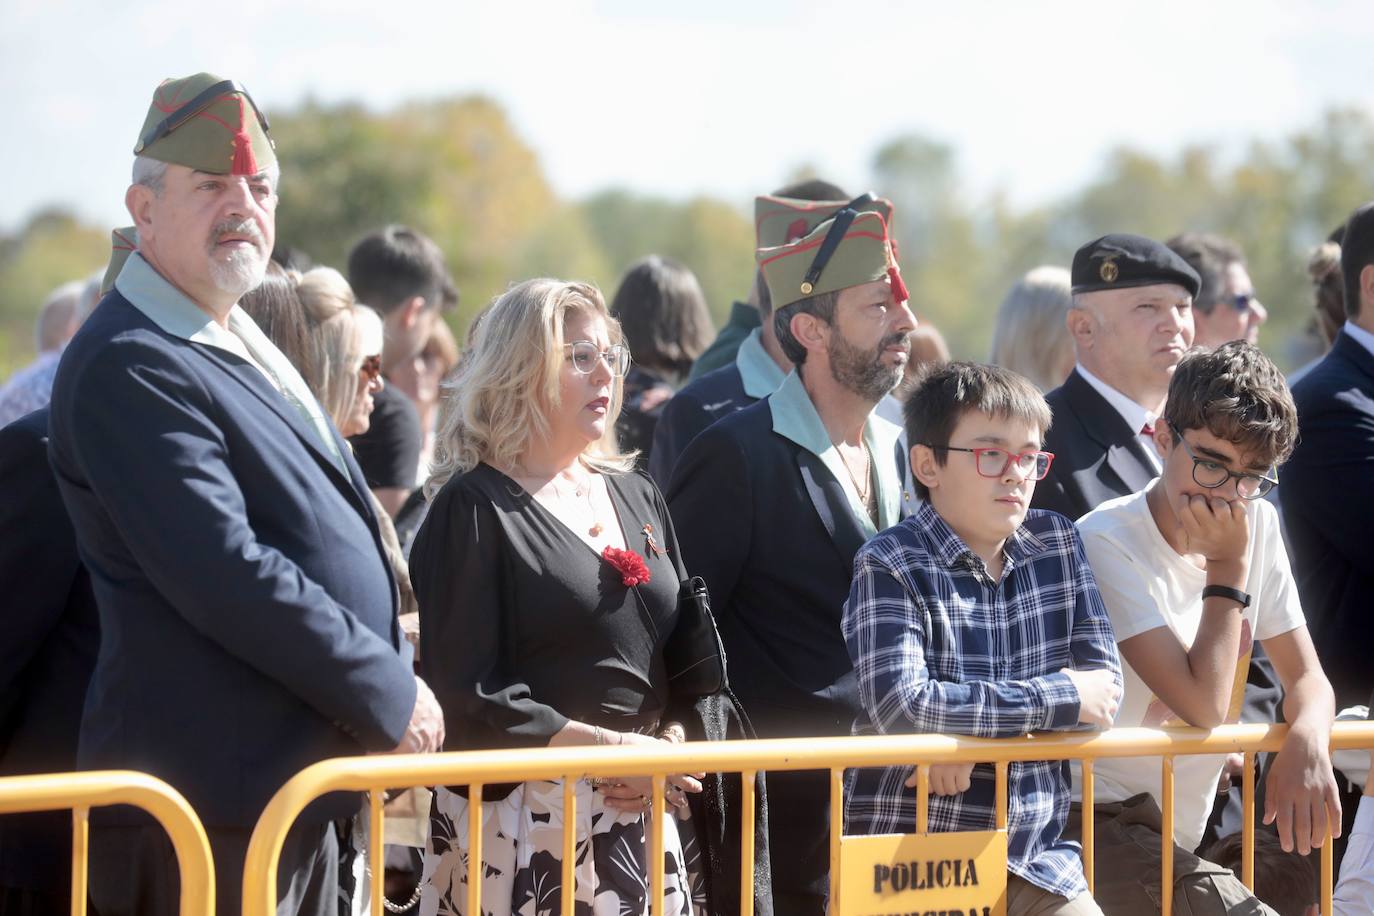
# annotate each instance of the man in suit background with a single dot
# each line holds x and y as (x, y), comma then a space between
(756, 363)
(247, 613)
(772, 503)
(49, 634)
(1328, 499)
(1131, 321)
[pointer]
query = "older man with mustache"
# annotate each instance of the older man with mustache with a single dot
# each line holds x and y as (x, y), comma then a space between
(248, 614)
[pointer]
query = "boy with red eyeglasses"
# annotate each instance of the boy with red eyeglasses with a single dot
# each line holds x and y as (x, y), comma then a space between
(979, 616)
(1193, 570)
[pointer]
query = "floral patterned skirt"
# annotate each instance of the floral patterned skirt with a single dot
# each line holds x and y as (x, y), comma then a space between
(522, 857)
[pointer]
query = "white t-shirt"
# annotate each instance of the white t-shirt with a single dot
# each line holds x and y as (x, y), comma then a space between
(1146, 584)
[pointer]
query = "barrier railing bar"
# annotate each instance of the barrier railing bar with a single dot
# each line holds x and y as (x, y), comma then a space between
(746, 845)
(834, 754)
(81, 845)
(376, 861)
(1247, 830)
(475, 871)
(1000, 805)
(922, 798)
(1089, 824)
(1327, 906)
(836, 830)
(569, 890)
(79, 792)
(657, 825)
(1166, 880)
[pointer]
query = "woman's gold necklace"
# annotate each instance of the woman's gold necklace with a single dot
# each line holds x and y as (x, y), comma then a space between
(583, 490)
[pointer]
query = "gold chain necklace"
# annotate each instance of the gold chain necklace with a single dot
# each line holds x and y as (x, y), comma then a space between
(863, 491)
(580, 491)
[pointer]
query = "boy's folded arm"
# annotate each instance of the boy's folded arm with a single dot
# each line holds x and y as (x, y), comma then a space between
(884, 629)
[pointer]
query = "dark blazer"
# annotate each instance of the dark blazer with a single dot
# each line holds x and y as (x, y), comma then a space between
(248, 616)
(771, 530)
(1327, 499)
(49, 634)
(1097, 456)
(700, 403)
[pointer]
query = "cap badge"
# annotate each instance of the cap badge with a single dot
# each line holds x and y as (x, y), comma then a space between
(1108, 271)
(806, 287)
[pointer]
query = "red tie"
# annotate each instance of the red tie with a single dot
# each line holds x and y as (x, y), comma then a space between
(1148, 429)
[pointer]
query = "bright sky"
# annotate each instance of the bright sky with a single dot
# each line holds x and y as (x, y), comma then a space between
(718, 96)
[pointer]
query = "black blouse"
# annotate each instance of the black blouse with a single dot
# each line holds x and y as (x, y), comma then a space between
(523, 626)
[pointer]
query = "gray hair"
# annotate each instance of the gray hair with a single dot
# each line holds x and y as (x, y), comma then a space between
(1031, 336)
(152, 173)
(57, 319)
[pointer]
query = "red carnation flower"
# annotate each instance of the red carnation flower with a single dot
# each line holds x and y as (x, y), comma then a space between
(629, 564)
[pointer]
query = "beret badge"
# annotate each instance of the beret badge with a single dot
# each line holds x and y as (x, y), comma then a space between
(1108, 271)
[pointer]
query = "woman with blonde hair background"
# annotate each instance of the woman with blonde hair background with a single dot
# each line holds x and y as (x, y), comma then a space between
(548, 576)
(1031, 336)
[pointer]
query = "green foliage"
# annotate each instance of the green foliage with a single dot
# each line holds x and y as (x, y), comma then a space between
(456, 169)
(51, 249)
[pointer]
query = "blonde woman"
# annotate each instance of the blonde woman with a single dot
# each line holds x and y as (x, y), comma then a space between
(548, 575)
(1032, 334)
(343, 344)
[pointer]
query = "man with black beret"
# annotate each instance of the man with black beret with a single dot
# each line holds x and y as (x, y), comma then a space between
(1131, 322)
(247, 610)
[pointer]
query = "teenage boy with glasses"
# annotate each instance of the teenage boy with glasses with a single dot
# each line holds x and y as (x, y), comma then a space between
(979, 616)
(1193, 571)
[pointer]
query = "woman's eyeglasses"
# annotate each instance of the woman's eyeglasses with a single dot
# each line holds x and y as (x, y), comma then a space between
(993, 462)
(585, 356)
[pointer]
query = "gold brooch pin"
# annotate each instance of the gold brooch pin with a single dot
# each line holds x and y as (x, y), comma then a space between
(1108, 271)
(650, 542)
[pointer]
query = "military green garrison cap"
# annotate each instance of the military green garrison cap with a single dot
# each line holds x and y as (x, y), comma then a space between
(779, 220)
(208, 124)
(123, 242)
(850, 249)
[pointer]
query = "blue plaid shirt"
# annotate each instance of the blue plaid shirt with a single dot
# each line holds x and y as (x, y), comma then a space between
(939, 647)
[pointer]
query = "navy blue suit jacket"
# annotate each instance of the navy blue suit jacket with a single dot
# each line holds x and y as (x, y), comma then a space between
(1097, 456)
(1327, 498)
(700, 403)
(768, 527)
(248, 616)
(49, 634)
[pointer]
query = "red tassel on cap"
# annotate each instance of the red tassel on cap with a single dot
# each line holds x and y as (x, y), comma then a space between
(899, 292)
(245, 163)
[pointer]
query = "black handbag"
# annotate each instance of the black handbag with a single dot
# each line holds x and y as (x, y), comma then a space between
(694, 655)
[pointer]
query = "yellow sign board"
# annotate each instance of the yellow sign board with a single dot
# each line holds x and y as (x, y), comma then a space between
(950, 874)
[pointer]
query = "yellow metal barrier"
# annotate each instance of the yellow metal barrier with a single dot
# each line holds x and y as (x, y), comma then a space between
(83, 791)
(476, 768)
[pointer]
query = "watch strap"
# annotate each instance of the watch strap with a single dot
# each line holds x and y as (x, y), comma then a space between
(1226, 591)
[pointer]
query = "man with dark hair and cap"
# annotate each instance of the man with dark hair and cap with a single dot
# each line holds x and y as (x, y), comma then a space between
(772, 503)
(756, 363)
(247, 611)
(745, 317)
(1225, 307)
(1131, 321)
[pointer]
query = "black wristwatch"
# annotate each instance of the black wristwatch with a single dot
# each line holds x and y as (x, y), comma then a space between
(1226, 591)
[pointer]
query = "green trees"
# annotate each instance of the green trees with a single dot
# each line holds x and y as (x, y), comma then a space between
(456, 169)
